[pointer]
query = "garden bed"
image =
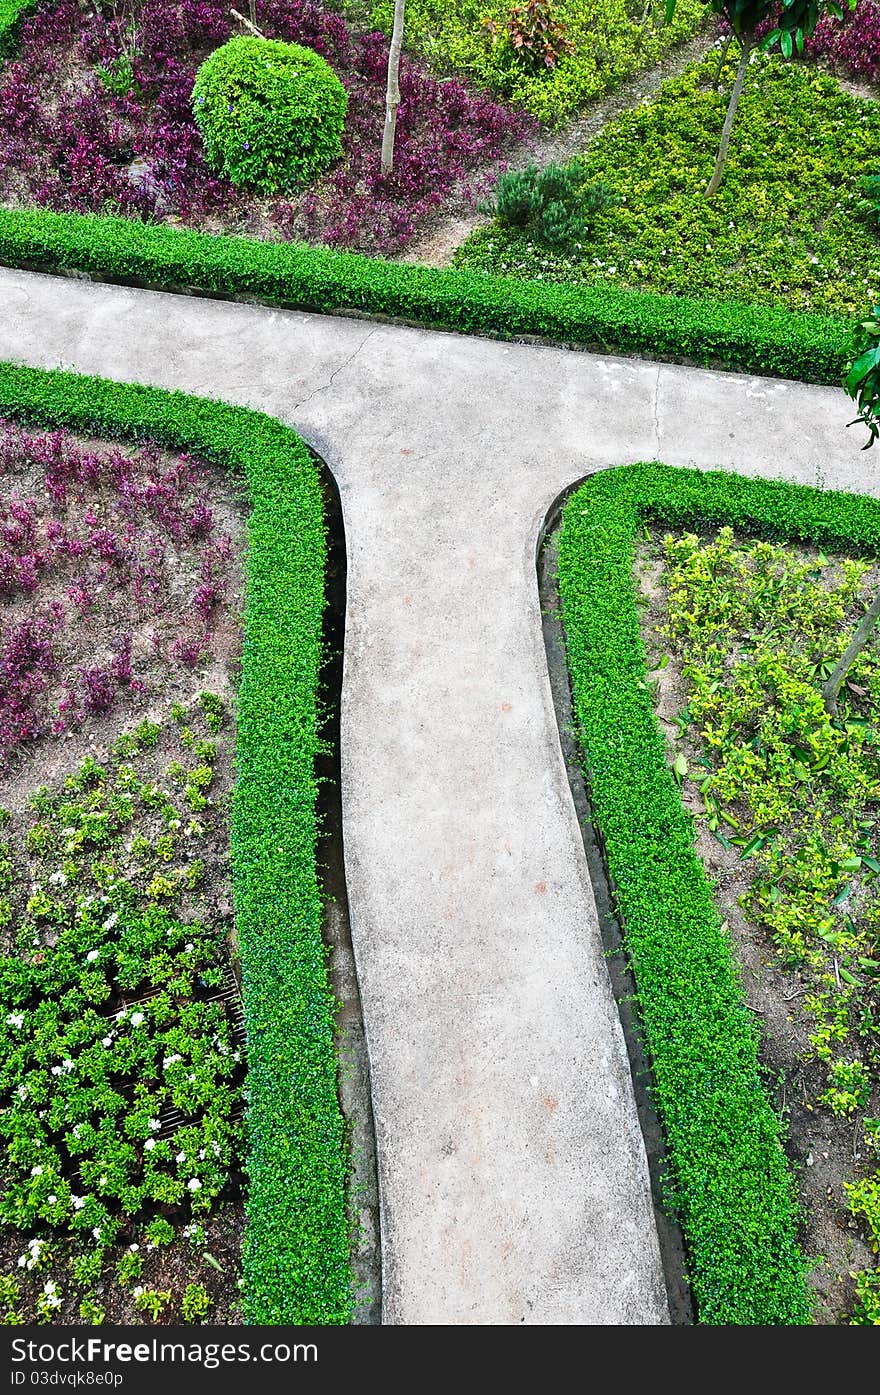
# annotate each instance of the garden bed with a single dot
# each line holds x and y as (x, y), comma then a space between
(96, 116)
(739, 634)
(728, 1177)
(129, 1167)
(786, 228)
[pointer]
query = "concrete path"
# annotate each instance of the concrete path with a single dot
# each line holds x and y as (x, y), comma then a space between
(512, 1172)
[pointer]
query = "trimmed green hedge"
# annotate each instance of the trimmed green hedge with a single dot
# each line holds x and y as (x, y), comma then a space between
(296, 1260)
(759, 339)
(729, 1182)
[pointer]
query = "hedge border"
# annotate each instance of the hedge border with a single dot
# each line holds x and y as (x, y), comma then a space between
(296, 1255)
(755, 339)
(729, 1180)
(720, 334)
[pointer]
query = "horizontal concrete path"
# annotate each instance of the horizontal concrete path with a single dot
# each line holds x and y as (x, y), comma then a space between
(512, 1172)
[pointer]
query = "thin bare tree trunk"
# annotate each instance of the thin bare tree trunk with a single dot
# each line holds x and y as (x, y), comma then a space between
(392, 94)
(831, 688)
(712, 186)
(252, 7)
(248, 24)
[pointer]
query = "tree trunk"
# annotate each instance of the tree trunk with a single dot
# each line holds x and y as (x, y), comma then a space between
(252, 7)
(831, 688)
(712, 187)
(392, 94)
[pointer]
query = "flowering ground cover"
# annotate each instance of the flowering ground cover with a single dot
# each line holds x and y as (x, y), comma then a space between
(786, 228)
(95, 116)
(121, 1035)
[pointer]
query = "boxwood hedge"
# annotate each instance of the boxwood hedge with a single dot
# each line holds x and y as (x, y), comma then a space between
(728, 1176)
(759, 339)
(296, 1262)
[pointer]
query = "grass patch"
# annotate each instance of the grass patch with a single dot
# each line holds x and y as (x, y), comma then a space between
(784, 228)
(296, 1260)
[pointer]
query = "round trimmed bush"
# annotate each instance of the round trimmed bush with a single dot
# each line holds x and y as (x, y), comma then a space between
(270, 114)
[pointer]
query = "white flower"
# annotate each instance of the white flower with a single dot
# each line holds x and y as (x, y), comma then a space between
(96, 1231)
(189, 948)
(15, 1019)
(52, 1199)
(107, 1041)
(67, 1063)
(58, 879)
(77, 1202)
(92, 956)
(56, 1070)
(111, 921)
(137, 1018)
(170, 1060)
(149, 1145)
(138, 1290)
(22, 1261)
(154, 1124)
(22, 1092)
(181, 1157)
(194, 1184)
(36, 1171)
(201, 1152)
(134, 1248)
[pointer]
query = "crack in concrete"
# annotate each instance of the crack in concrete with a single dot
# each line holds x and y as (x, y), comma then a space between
(336, 371)
(655, 412)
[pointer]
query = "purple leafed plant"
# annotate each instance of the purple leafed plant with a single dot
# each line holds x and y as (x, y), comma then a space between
(115, 565)
(95, 118)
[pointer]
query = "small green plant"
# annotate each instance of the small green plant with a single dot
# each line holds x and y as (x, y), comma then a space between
(159, 1232)
(130, 1266)
(554, 203)
(271, 114)
(92, 1312)
(849, 1089)
(213, 710)
(10, 1295)
(151, 1300)
(118, 76)
(197, 1303)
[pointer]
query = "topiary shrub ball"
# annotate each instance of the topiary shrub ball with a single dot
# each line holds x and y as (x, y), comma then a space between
(270, 114)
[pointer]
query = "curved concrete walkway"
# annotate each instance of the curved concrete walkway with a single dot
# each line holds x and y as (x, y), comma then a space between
(513, 1179)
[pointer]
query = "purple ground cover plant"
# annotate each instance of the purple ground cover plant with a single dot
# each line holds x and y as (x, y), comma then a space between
(95, 117)
(852, 44)
(112, 568)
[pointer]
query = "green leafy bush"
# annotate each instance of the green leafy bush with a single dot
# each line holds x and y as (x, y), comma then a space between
(785, 228)
(766, 340)
(271, 114)
(611, 41)
(553, 202)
